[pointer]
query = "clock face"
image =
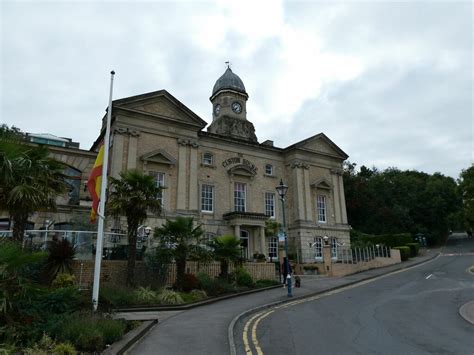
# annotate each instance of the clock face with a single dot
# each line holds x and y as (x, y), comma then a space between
(236, 107)
(217, 109)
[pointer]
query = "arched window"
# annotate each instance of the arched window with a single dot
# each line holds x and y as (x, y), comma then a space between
(318, 249)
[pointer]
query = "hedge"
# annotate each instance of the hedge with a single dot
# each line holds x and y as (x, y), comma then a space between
(414, 248)
(390, 240)
(404, 252)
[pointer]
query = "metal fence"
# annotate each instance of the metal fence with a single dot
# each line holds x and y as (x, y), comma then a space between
(346, 255)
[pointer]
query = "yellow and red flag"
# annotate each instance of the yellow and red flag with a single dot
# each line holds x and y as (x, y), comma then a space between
(94, 183)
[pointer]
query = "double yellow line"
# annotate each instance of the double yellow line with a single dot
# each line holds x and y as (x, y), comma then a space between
(250, 337)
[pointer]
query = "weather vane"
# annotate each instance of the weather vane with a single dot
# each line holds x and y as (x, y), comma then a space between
(228, 64)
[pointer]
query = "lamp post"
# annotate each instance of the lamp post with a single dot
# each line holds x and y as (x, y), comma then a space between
(282, 189)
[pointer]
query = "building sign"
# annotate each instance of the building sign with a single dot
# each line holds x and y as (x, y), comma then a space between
(239, 161)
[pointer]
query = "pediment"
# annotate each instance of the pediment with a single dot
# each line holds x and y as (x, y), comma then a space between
(241, 170)
(161, 104)
(322, 184)
(320, 143)
(159, 157)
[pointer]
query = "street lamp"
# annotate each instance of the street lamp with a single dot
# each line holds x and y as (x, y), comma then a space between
(282, 189)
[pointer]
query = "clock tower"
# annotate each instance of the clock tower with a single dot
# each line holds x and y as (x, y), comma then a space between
(229, 108)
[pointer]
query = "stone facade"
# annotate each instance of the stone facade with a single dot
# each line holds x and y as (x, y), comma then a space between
(223, 177)
(156, 133)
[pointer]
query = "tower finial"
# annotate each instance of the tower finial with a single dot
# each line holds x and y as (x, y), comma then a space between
(228, 64)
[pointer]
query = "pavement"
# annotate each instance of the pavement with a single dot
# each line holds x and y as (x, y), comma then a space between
(209, 329)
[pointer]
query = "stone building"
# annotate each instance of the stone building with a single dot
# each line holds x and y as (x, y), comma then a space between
(222, 176)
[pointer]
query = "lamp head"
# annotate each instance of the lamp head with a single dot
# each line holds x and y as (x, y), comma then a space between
(326, 239)
(147, 230)
(282, 189)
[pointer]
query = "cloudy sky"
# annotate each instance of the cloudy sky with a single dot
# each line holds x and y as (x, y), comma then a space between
(389, 82)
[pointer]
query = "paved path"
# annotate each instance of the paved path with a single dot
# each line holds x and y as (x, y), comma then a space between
(204, 330)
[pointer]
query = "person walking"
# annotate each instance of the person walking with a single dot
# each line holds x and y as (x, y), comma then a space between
(285, 271)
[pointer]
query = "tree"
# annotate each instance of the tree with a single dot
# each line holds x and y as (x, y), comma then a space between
(466, 188)
(226, 249)
(30, 180)
(133, 195)
(182, 239)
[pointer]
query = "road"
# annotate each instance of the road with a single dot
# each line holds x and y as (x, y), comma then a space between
(414, 311)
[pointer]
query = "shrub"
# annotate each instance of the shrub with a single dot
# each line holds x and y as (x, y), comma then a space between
(404, 252)
(112, 330)
(64, 349)
(199, 294)
(60, 300)
(145, 295)
(63, 280)
(205, 282)
(243, 278)
(169, 297)
(83, 332)
(266, 283)
(414, 248)
(190, 282)
(60, 258)
(114, 296)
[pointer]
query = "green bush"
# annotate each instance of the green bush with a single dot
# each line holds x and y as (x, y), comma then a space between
(199, 294)
(414, 248)
(60, 300)
(243, 278)
(64, 349)
(360, 240)
(169, 297)
(145, 295)
(112, 330)
(63, 280)
(205, 282)
(82, 331)
(266, 283)
(114, 296)
(404, 252)
(190, 282)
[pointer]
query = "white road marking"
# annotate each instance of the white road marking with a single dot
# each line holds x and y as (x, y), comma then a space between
(427, 277)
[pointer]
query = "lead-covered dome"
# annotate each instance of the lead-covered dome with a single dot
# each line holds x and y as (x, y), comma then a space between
(230, 81)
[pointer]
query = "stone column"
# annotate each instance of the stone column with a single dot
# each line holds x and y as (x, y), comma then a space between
(193, 180)
(336, 196)
(181, 190)
(116, 164)
(327, 259)
(263, 249)
(307, 193)
(343, 199)
(237, 231)
(298, 191)
(132, 149)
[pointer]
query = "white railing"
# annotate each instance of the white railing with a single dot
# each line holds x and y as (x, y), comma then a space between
(83, 241)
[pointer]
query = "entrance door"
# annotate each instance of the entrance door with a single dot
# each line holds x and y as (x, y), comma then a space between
(244, 243)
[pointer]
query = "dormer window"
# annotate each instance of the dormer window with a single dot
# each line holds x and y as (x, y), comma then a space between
(207, 159)
(268, 169)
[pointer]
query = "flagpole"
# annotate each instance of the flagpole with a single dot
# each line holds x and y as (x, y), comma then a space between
(101, 211)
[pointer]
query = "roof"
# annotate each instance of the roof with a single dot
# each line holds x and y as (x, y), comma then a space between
(229, 81)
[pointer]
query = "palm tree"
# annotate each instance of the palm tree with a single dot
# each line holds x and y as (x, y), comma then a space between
(183, 239)
(30, 180)
(133, 195)
(226, 249)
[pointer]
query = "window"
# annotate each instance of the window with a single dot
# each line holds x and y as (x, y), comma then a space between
(272, 247)
(207, 198)
(321, 207)
(206, 239)
(318, 248)
(73, 181)
(270, 204)
(207, 159)
(334, 248)
(239, 197)
(268, 169)
(160, 182)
